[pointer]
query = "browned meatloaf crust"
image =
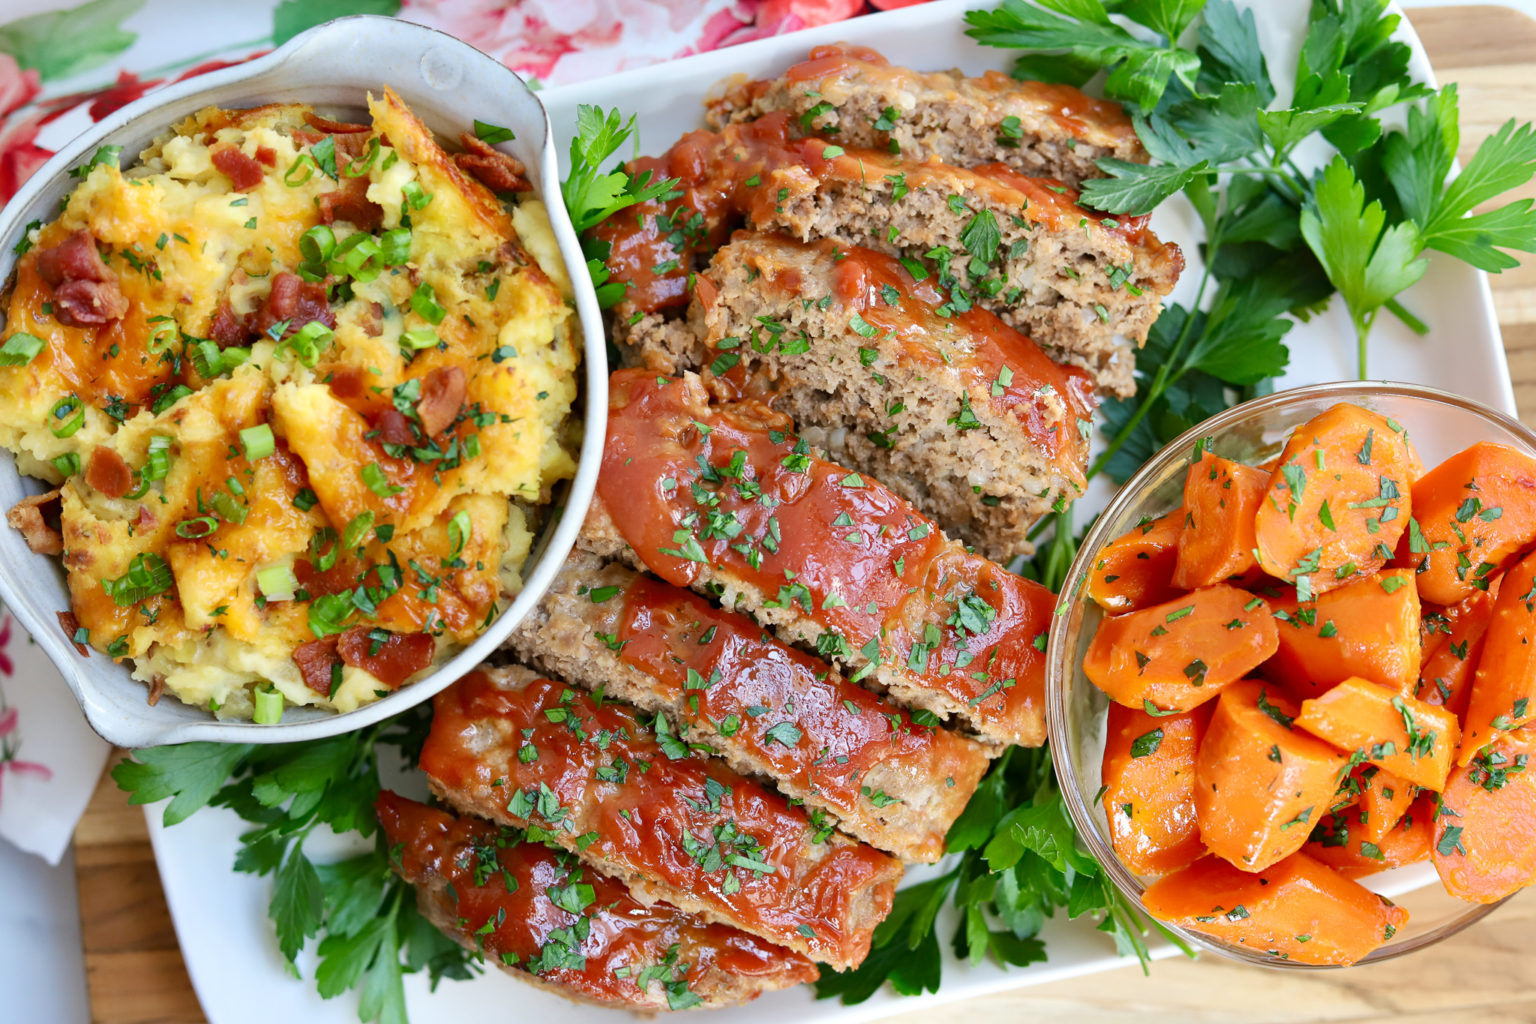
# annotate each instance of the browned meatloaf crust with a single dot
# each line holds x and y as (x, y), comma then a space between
(895, 783)
(637, 803)
(853, 96)
(956, 412)
(543, 917)
(725, 499)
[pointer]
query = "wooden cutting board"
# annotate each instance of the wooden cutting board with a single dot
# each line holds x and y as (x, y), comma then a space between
(136, 976)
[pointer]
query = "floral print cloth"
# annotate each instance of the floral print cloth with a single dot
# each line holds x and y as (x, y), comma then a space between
(63, 67)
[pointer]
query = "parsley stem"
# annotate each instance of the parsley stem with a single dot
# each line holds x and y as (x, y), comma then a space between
(1413, 323)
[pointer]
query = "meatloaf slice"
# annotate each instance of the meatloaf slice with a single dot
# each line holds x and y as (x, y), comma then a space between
(896, 783)
(634, 801)
(1083, 285)
(543, 917)
(955, 411)
(854, 96)
(727, 500)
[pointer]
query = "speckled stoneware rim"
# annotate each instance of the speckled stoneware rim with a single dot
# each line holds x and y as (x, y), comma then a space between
(448, 84)
(1132, 500)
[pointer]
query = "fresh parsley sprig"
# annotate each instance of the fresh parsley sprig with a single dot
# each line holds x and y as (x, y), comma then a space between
(592, 196)
(370, 932)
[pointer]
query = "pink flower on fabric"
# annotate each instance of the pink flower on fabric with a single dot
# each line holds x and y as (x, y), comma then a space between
(20, 155)
(10, 718)
(17, 87)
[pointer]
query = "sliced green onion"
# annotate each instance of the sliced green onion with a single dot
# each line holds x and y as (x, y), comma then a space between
(147, 576)
(323, 549)
(395, 247)
(71, 407)
(103, 155)
(142, 488)
(235, 486)
(424, 304)
(353, 257)
(358, 168)
(233, 357)
(305, 499)
(305, 163)
(197, 529)
(164, 335)
(277, 583)
(170, 398)
(329, 613)
(268, 705)
(460, 529)
(377, 481)
(491, 134)
(157, 462)
(415, 198)
(258, 441)
(352, 536)
(419, 338)
(207, 358)
(67, 464)
(21, 348)
(231, 510)
(308, 342)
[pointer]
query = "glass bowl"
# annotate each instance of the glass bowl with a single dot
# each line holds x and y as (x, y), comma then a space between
(1440, 424)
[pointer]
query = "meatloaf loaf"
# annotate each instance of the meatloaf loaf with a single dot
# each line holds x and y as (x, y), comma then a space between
(854, 96)
(540, 914)
(955, 411)
(634, 801)
(892, 781)
(727, 500)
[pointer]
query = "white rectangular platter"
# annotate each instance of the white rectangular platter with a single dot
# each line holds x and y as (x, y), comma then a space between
(221, 917)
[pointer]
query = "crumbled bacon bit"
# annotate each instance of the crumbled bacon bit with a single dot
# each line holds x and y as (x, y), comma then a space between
(490, 166)
(242, 171)
(391, 658)
(351, 204)
(295, 300)
(156, 689)
(71, 626)
(393, 427)
(347, 382)
(442, 396)
(106, 471)
(226, 328)
(30, 516)
(267, 155)
(330, 127)
(315, 660)
(85, 290)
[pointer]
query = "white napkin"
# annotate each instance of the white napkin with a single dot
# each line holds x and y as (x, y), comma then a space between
(50, 760)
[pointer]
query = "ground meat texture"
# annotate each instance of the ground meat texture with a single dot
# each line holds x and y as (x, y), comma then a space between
(85, 290)
(686, 830)
(853, 96)
(492, 892)
(889, 781)
(957, 412)
(1085, 286)
(728, 501)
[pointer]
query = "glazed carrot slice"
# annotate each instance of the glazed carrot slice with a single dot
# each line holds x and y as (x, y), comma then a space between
(1367, 628)
(1299, 909)
(1135, 569)
(1485, 829)
(1260, 785)
(1180, 653)
(1339, 501)
(1445, 677)
(1384, 799)
(1149, 787)
(1503, 693)
(1344, 843)
(1472, 515)
(1412, 740)
(1221, 498)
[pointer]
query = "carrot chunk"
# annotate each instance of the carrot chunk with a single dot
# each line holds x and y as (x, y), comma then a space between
(1299, 909)
(1503, 693)
(1135, 569)
(1368, 628)
(1445, 677)
(1180, 653)
(1384, 799)
(1149, 787)
(1260, 785)
(1472, 515)
(1221, 498)
(1345, 843)
(1339, 501)
(1485, 828)
(1412, 740)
